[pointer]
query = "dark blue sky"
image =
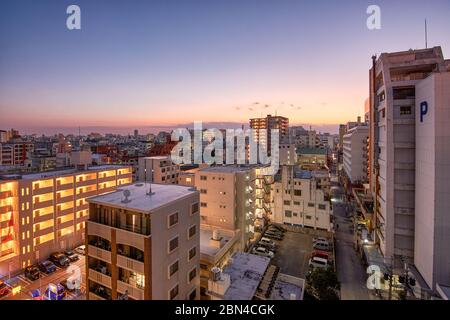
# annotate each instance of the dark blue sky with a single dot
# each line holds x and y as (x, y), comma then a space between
(167, 62)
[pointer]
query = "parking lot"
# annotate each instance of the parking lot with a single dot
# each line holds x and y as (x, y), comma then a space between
(294, 251)
(56, 277)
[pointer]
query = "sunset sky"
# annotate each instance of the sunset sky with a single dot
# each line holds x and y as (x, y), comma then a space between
(147, 63)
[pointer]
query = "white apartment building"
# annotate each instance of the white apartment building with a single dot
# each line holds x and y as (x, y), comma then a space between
(355, 154)
(227, 199)
(302, 199)
(394, 78)
(157, 170)
(432, 180)
(144, 241)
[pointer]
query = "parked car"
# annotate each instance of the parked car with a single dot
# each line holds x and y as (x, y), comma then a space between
(260, 251)
(324, 246)
(72, 256)
(273, 229)
(279, 228)
(317, 262)
(4, 289)
(320, 239)
(321, 254)
(59, 259)
(47, 267)
(32, 272)
(266, 242)
(278, 234)
(80, 250)
(273, 236)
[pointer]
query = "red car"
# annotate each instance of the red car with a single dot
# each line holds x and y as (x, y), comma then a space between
(4, 289)
(320, 254)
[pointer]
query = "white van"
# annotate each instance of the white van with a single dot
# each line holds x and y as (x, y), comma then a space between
(317, 262)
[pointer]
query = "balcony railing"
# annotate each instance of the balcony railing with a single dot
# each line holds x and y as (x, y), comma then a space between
(101, 278)
(130, 264)
(99, 253)
(133, 292)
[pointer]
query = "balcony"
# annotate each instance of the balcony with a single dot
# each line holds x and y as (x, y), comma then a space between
(65, 186)
(100, 278)
(5, 209)
(130, 264)
(99, 230)
(62, 212)
(133, 292)
(42, 217)
(64, 199)
(87, 182)
(43, 204)
(106, 190)
(99, 253)
(93, 296)
(5, 194)
(106, 179)
(65, 224)
(43, 232)
(42, 190)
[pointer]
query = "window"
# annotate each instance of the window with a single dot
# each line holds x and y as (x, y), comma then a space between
(192, 231)
(288, 213)
(297, 192)
(310, 204)
(308, 217)
(203, 191)
(173, 293)
(194, 208)
(203, 178)
(405, 110)
(173, 219)
(287, 202)
(192, 253)
(296, 203)
(173, 244)
(173, 268)
(192, 274)
(295, 214)
(322, 207)
(203, 204)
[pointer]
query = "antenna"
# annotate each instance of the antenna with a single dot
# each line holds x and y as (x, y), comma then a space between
(426, 35)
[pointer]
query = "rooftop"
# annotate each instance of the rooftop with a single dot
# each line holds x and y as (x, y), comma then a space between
(56, 173)
(157, 158)
(228, 168)
(307, 150)
(206, 243)
(246, 272)
(302, 174)
(140, 201)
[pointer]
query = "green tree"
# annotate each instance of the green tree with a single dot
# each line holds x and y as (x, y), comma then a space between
(322, 284)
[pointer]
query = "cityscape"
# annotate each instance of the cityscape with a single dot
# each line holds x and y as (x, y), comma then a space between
(159, 159)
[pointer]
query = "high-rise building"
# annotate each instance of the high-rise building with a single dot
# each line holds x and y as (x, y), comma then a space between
(264, 126)
(392, 145)
(157, 170)
(45, 212)
(432, 181)
(143, 243)
(355, 154)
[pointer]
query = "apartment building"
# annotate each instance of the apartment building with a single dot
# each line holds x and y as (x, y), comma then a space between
(432, 181)
(143, 242)
(46, 212)
(301, 198)
(264, 126)
(159, 169)
(12, 154)
(227, 199)
(393, 108)
(355, 154)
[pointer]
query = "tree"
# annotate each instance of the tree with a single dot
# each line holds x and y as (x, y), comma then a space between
(322, 284)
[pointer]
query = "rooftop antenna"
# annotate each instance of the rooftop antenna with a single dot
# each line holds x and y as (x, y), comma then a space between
(426, 35)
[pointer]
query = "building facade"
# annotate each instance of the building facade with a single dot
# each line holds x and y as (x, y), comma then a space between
(157, 170)
(143, 243)
(355, 154)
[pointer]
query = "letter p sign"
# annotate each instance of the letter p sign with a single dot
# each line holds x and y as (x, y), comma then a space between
(423, 109)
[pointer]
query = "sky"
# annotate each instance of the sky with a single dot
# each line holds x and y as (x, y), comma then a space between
(166, 63)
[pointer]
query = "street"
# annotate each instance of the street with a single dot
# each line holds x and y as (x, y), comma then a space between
(45, 279)
(350, 271)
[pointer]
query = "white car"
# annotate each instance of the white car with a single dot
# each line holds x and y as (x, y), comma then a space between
(267, 242)
(260, 251)
(80, 250)
(316, 262)
(320, 239)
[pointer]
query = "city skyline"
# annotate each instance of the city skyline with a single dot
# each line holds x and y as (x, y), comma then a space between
(167, 64)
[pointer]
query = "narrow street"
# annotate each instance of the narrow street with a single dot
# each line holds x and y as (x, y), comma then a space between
(350, 271)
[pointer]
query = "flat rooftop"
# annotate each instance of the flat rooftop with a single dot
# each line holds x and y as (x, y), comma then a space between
(56, 173)
(157, 158)
(227, 169)
(139, 200)
(246, 272)
(205, 241)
